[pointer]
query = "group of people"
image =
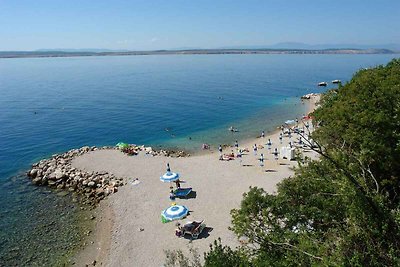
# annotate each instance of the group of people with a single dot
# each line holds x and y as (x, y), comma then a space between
(286, 130)
(239, 152)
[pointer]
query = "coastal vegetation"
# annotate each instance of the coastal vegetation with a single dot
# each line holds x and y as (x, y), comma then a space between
(342, 209)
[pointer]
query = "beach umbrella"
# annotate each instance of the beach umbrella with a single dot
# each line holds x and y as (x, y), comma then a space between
(175, 212)
(169, 176)
(122, 145)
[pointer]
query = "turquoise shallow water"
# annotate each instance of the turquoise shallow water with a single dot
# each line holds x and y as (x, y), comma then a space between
(49, 105)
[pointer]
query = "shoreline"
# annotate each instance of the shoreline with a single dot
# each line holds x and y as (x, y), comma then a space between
(243, 136)
(100, 246)
(96, 247)
(261, 51)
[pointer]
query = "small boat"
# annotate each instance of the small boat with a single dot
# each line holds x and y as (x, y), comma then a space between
(322, 84)
(336, 81)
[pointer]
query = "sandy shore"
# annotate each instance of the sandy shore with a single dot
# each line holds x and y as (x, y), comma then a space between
(132, 215)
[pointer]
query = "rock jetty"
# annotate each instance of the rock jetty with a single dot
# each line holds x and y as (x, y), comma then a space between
(91, 187)
(58, 173)
(135, 150)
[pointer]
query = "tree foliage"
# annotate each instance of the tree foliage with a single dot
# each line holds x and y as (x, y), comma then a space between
(342, 210)
(220, 255)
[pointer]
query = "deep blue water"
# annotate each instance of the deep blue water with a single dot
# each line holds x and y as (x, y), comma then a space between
(49, 105)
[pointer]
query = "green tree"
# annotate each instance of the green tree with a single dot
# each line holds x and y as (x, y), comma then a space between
(344, 208)
(220, 255)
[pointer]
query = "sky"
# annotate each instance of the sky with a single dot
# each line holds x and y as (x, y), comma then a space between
(174, 24)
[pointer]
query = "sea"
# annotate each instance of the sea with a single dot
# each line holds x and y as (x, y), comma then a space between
(50, 105)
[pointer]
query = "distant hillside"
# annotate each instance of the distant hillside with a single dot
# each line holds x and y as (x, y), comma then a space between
(73, 50)
(78, 52)
(296, 45)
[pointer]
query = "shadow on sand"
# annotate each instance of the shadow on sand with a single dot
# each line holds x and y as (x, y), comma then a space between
(204, 234)
(192, 194)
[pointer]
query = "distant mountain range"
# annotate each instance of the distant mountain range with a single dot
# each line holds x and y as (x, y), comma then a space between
(295, 45)
(276, 49)
(284, 46)
(74, 50)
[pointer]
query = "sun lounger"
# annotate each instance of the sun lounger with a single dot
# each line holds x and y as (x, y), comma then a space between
(182, 192)
(193, 228)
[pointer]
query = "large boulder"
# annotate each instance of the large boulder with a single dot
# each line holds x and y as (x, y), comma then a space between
(33, 173)
(59, 174)
(37, 181)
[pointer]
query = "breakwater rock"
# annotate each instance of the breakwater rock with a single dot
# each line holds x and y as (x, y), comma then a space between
(132, 150)
(58, 173)
(91, 187)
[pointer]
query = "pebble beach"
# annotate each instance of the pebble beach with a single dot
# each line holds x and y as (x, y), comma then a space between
(129, 231)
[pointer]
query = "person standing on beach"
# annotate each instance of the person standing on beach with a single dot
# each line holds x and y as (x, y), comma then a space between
(262, 134)
(178, 184)
(269, 143)
(276, 154)
(239, 156)
(280, 138)
(168, 168)
(255, 149)
(171, 194)
(236, 145)
(261, 159)
(220, 152)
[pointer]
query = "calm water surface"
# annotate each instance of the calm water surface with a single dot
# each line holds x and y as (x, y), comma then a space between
(49, 105)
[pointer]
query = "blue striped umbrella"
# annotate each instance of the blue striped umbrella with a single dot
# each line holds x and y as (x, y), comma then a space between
(169, 177)
(175, 212)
